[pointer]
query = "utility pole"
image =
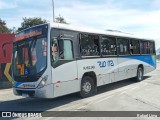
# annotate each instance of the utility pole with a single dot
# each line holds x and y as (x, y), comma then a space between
(53, 9)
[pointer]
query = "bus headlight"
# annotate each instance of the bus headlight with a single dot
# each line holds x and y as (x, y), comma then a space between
(43, 82)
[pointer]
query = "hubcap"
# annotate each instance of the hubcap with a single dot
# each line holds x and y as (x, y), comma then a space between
(86, 87)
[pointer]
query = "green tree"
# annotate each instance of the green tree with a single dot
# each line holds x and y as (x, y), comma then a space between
(60, 19)
(3, 27)
(29, 22)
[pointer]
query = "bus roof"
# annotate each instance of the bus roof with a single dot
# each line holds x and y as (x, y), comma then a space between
(91, 30)
(94, 31)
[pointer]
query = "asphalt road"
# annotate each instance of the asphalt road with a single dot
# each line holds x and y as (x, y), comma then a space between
(121, 96)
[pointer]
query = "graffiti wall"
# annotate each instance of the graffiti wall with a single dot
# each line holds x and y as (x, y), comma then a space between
(5, 60)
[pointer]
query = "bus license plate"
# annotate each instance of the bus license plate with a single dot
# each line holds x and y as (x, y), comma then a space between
(25, 95)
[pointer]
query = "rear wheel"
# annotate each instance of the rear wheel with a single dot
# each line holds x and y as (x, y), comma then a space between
(88, 88)
(139, 76)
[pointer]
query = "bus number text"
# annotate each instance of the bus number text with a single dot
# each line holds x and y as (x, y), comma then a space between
(103, 64)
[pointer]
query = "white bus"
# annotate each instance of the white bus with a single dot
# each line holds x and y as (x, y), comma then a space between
(53, 60)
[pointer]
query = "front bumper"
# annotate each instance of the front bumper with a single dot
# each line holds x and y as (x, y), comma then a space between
(45, 92)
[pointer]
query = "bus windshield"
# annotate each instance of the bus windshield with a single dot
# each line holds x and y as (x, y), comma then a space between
(29, 56)
(30, 52)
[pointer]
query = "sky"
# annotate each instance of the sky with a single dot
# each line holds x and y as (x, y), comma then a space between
(139, 17)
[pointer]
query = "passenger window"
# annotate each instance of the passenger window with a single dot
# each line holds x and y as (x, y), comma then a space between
(108, 45)
(151, 47)
(144, 47)
(61, 49)
(89, 45)
(68, 52)
(55, 50)
(134, 47)
(123, 46)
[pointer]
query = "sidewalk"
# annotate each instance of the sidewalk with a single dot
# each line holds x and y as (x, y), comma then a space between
(7, 89)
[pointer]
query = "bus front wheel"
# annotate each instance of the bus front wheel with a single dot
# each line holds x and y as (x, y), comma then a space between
(87, 87)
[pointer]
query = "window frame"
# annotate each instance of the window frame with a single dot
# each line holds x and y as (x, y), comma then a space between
(128, 46)
(132, 39)
(59, 59)
(143, 46)
(71, 41)
(80, 51)
(154, 51)
(115, 45)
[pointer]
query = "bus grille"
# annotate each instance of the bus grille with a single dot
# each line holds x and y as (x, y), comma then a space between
(30, 93)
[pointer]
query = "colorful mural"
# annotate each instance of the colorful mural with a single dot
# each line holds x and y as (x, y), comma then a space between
(6, 41)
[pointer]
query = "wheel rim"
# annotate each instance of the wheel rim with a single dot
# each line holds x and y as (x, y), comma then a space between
(140, 74)
(87, 87)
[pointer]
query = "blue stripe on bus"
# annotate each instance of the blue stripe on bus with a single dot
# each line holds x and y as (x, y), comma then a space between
(16, 84)
(150, 59)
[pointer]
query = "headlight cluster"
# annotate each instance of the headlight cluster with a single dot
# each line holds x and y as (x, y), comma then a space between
(43, 82)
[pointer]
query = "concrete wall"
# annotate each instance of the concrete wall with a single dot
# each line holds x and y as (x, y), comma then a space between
(6, 41)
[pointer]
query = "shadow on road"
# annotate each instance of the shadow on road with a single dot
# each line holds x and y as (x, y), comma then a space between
(31, 104)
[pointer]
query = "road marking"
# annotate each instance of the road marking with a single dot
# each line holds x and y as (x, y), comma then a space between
(131, 89)
(134, 88)
(123, 92)
(103, 99)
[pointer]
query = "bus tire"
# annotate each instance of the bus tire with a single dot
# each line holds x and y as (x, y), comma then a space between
(139, 76)
(88, 87)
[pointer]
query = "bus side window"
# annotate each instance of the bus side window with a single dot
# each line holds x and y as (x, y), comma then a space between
(67, 49)
(123, 46)
(151, 47)
(134, 47)
(54, 49)
(144, 47)
(89, 45)
(108, 45)
(62, 49)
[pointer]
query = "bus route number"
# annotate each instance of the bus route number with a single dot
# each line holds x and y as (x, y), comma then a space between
(103, 64)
